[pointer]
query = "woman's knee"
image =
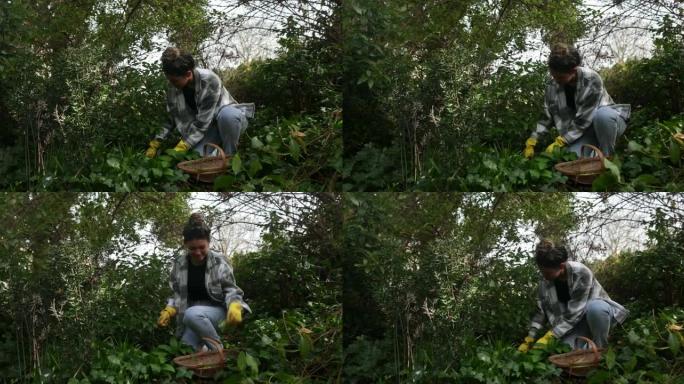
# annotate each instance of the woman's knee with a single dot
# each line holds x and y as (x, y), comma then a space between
(230, 117)
(597, 309)
(192, 315)
(605, 116)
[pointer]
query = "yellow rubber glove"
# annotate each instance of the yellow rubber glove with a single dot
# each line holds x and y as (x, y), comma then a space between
(529, 147)
(234, 313)
(543, 341)
(558, 143)
(182, 146)
(166, 315)
(152, 150)
(524, 347)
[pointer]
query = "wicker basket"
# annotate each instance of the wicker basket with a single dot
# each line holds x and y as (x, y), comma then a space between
(585, 170)
(204, 364)
(580, 361)
(206, 169)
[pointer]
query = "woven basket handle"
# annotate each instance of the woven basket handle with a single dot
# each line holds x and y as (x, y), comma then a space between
(592, 345)
(598, 151)
(220, 150)
(217, 346)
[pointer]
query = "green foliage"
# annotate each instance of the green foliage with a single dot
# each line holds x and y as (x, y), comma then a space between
(649, 349)
(125, 363)
(651, 163)
(642, 82)
(500, 171)
(300, 344)
(125, 171)
(368, 361)
(650, 278)
(372, 169)
(296, 153)
(503, 364)
(302, 79)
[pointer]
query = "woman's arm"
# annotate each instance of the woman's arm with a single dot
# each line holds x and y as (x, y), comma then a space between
(230, 290)
(539, 318)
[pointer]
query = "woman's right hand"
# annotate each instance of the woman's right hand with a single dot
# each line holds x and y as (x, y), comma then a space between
(166, 315)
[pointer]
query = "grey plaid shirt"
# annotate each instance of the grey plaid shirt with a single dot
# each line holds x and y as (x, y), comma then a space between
(219, 280)
(583, 287)
(590, 95)
(210, 96)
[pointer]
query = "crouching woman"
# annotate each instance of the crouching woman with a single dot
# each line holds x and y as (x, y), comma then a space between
(204, 289)
(571, 301)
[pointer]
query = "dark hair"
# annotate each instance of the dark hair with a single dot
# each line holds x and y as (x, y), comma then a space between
(549, 254)
(196, 228)
(177, 62)
(564, 58)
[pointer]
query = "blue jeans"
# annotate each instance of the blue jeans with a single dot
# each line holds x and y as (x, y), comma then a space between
(202, 321)
(230, 123)
(595, 325)
(603, 133)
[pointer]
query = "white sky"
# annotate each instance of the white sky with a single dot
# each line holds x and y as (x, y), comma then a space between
(624, 35)
(233, 238)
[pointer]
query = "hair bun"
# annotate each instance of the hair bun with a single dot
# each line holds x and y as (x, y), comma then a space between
(196, 228)
(196, 219)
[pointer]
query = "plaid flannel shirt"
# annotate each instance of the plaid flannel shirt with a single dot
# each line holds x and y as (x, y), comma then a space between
(210, 96)
(562, 317)
(590, 95)
(219, 280)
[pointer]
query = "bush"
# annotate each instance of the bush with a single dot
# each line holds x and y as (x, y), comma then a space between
(651, 278)
(649, 349)
(642, 83)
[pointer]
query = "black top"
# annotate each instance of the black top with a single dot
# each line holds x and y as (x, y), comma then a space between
(570, 96)
(197, 290)
(562, 290)
(189, 94)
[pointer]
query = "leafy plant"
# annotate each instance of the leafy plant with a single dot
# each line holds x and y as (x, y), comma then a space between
(649, 349)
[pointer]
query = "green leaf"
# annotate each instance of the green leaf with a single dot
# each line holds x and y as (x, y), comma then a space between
(488, 163)
(114, 359)
(675, 152)
(633, 146)
(305, 345)
(224, 182)
(241, 363)
(674, 343)
(614, 169)
(236, 163)
(252, 363)
(646, 180)
(256, 143)
(254, 167)
(114, 163)
(606, 181)
(599, 377)
(609, 357)
(294, 148)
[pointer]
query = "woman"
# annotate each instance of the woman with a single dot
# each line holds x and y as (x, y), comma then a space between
(204, 290)
(577, 104)
(200, 106)
(571, 300)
